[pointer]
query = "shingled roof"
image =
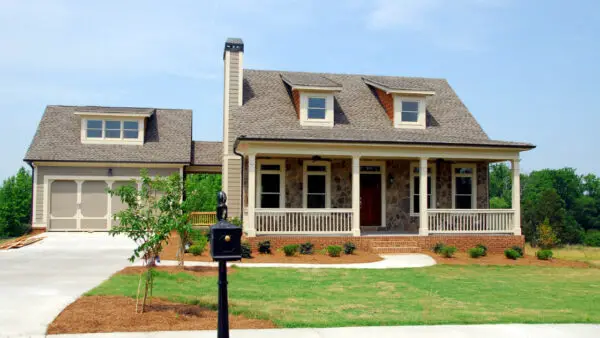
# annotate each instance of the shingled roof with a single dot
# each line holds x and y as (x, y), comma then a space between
(168, 137)
(268, 113)
(207, 153)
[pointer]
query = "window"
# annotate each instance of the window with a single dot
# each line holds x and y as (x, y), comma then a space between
(415, 187)
(409, 112)
(271, 183)
(464, 186)
(125, 131)
(112, 129)
(94, 129)
(316, 108)
(130, 129)
(316, 184)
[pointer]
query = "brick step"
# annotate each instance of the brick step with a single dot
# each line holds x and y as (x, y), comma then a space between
(389, 250)
(395, 243)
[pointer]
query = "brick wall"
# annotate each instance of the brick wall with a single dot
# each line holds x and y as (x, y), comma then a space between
(495, 243)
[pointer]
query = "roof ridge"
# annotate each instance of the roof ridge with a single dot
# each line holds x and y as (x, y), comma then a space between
(344, 74)
(110, 107)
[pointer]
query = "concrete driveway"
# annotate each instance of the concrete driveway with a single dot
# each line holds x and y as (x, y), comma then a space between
(38, 281)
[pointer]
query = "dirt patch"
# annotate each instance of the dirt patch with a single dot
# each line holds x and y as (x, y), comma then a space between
(199, 271)
(280, 257)
(117, 314)
(462, 258)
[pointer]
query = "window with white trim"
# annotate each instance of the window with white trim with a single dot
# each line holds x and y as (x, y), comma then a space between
(111, 130)
(316, 109)
(409, 112)
(316, 186)
(271, 184)
(464, 186)
(415, 187)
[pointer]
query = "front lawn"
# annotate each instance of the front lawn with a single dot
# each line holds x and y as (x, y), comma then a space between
(580, 253)
(346, 297)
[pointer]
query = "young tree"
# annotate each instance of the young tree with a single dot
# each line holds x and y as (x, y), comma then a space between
(15, 204)
(153, 211)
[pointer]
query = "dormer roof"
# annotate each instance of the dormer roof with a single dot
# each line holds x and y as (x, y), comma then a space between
(400, 85)
(309, 81)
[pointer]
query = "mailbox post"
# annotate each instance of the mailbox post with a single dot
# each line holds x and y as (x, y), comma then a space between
(225, 245)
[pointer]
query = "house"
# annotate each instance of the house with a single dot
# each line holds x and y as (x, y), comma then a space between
(331, 155)
(303, 154)
(79, 151)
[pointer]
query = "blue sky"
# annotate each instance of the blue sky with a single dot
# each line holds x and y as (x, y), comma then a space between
(527, 70)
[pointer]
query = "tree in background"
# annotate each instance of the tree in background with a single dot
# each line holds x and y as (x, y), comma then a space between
(500, 186)
(201, 190)
(15, 204)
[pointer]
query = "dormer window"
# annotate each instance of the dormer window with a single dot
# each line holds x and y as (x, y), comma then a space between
(112, 130)
(409, 112)
(316, 108)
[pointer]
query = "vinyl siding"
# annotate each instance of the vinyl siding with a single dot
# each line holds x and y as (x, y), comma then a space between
(234, 187)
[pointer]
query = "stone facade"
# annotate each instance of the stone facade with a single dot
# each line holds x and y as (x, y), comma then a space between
(397, 191)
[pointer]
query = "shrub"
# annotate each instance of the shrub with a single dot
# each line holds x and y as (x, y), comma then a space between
(236, 221)
(592, 238)
(476, 252)
(349, 248)
(511, 253)
(546, 236)
(197, 249)
(290, 249)
(483, 247)
(334, 250)
(437, 248)
(306, 248)
(246, 250)
(544, 254)
(518, 249)
(264, 247)
(448, 251)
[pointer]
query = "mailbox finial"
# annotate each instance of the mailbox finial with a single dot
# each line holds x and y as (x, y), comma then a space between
(221, 206)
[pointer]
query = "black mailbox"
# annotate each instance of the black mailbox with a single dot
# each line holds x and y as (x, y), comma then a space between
(225, 238)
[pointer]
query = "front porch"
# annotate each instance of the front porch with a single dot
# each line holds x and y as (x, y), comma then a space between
(359, 195)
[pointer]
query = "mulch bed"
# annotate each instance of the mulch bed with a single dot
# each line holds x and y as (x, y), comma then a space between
(117, 314)
(19, 242)
(462, 258)
(280, 257)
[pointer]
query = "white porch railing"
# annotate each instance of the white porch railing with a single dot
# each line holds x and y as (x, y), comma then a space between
(471, 220)
(303, 221)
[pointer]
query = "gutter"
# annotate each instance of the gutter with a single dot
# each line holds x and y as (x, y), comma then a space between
(235, 144)
(244, 138)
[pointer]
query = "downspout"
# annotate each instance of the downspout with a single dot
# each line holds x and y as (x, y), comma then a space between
(237, 142)
(32, 192)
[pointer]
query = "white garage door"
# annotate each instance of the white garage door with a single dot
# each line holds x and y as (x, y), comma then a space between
(82, 205)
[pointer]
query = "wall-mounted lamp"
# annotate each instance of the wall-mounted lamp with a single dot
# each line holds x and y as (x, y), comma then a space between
(316, 158)
(390, 179)
(109, 172)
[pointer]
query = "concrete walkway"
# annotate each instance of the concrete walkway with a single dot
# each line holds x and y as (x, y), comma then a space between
(446, 331)
(38, 281)
(388, 262)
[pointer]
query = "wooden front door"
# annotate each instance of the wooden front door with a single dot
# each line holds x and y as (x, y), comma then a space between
(370, 199)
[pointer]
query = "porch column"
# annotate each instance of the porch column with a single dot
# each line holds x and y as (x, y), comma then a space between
(516, 195)
(423, 220)
(356, 195)
(250, 229)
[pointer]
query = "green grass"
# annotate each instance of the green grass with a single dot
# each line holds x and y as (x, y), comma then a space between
(581, 253)
(435, 295)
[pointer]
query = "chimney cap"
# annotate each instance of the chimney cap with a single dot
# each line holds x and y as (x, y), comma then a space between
(234, 45)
